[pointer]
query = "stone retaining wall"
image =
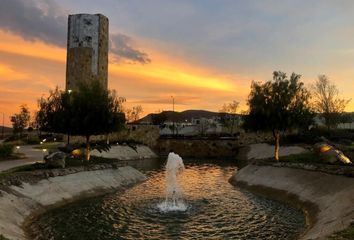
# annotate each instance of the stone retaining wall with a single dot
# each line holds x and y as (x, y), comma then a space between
(332, 196)
(18, 202)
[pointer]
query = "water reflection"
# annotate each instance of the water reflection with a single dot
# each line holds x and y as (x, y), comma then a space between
(217, 210)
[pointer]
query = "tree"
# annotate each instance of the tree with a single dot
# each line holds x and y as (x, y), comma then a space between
(133, 114)
(203, 126)
(158, 118)
(53, 114)
(20, 120)
(91, 110)
(228, 116)
(278, 105)
(327, 102)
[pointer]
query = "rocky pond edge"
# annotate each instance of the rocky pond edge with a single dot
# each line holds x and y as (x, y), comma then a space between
(26, 195)
(327, 200)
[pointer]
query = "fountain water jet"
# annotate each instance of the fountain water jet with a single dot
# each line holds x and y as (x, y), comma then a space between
(174, 194)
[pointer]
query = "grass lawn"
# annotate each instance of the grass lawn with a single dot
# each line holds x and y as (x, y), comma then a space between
(308, 157)
(3, 238)
(13, 156)
(347, 234)
(7, 152)
(48, 145)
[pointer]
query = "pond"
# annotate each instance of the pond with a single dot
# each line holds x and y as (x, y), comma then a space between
(215, 210)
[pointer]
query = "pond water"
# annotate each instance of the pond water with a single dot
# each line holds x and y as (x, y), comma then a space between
(215, 210)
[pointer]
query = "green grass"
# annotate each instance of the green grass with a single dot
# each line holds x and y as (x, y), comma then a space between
(3, 238)
(6, 150)
(48, 145)
(347, 234)
(308, 157)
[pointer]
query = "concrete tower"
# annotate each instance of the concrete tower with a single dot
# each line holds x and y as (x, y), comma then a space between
(87, 50)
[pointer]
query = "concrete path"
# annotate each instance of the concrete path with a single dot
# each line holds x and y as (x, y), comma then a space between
(264, 150)
(31, 156)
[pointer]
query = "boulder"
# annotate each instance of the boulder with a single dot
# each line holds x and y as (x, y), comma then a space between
(330, 154)
(55, 160)
(322, 147)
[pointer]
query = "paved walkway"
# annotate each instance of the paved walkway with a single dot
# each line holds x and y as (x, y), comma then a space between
(32, 156)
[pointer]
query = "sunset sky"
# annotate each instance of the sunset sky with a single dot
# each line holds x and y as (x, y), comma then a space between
(202, 52)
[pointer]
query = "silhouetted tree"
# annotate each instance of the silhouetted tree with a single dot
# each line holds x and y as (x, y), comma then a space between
(133, 114)
(278, 105)
(228, 116)
(158, 118)
(91, 110)
(327, 101)
(20, 120)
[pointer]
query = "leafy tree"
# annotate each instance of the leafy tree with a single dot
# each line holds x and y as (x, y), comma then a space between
(53, 114)
(158, 118)
(133, 114)
(91, 110)
(327, 102)
(228, 116)
(278, 105)
(20, 120)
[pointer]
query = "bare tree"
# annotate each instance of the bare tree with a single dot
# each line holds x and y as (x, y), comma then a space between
(133, 114)
(228, 115)
(203, 126)
(20, 120)
(327, 102)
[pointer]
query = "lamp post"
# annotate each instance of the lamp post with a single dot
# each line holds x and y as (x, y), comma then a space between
(3, 122)
(69, 128)
(173, 112)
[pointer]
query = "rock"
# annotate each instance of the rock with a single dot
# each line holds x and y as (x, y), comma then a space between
(330, 154)
(321, 147)
(55, 160)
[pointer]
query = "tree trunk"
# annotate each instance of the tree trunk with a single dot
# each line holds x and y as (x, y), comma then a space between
(276, 144)
(107, 138)
(88, 149)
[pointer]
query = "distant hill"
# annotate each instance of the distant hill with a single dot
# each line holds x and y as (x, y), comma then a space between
(6, 129)
(182, 116)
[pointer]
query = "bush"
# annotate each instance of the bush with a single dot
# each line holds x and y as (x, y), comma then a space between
(33, 140)
(6, 150)
(3, 238)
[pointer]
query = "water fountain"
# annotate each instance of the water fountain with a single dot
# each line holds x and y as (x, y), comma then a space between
(174, 193)
(208, 207)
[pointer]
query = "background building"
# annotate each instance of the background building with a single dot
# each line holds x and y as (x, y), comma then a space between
(87, 49)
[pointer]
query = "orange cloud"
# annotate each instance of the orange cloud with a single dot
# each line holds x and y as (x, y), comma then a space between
(29, 69)
(15, 44)
(7, 72)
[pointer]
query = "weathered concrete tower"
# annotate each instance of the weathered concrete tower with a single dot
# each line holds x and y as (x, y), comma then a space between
(87, 50)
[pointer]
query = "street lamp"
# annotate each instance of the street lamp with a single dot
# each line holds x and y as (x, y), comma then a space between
(69, 91)
(3, 123)
(173, 111)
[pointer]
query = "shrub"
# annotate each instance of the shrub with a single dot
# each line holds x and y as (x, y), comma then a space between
(6, 150)
(33, 140)
(3, 238)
